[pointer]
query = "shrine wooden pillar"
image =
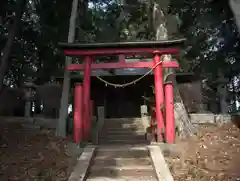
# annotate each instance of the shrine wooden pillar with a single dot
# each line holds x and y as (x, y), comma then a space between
(86, 96)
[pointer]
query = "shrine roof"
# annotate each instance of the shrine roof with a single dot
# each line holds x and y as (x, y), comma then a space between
(133, 44)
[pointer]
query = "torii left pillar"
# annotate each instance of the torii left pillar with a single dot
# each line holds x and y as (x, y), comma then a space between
(78, 114)
(86, 96)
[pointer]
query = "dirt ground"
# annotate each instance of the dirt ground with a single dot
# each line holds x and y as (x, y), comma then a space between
(32, 155)
(212, 155)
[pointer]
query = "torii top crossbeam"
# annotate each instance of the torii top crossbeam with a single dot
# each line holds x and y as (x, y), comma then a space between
(121, 49)
(123, 45)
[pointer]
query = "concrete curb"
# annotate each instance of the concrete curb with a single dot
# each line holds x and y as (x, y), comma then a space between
(210, 118)
(83, 163)
(161, 168)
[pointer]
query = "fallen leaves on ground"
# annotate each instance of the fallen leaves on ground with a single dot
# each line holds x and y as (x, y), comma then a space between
(32, 155)
(212, 155)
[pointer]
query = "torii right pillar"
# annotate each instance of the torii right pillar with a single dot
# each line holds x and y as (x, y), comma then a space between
(165, 128)
(159, 96)
(169, 109)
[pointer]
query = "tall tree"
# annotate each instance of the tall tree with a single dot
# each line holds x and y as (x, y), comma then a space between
(235, 7)
(63, 113)
(5, 61)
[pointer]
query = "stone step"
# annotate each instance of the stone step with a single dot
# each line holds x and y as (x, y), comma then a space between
(123, 123)
(115, 173)
(129, 178)
(96, 168)
(123, 131)
(123, 120)
(122, 137)
(123, 142)
(122, 154)
(120, 148)
(119, 129)
(120, 162)
(126, 133)
(129, 128)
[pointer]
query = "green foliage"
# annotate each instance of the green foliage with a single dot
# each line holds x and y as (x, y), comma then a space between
(208, 25)
(211, 32)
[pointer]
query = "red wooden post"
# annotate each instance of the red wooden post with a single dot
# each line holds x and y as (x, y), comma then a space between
(86, 94)
(169, 106)
(122, 64)
(78, 113)
(159, 97)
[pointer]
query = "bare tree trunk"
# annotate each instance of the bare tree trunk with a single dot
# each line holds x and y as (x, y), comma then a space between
(63, 113)
(5, 61)
(235, 7)
(183, 122)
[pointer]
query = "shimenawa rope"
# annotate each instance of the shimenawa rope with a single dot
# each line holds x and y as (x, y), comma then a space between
(129, 83)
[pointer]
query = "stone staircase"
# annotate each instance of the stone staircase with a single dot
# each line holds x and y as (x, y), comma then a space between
(122, 163)
(122, 131)
(122, 154)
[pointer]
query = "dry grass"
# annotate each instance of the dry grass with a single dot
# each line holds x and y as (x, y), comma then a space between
(212, 155)
(30, 155)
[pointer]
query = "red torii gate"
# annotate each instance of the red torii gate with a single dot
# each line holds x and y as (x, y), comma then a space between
(82, 117)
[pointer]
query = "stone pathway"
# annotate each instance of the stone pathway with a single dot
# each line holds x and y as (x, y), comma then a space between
(124, 154)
